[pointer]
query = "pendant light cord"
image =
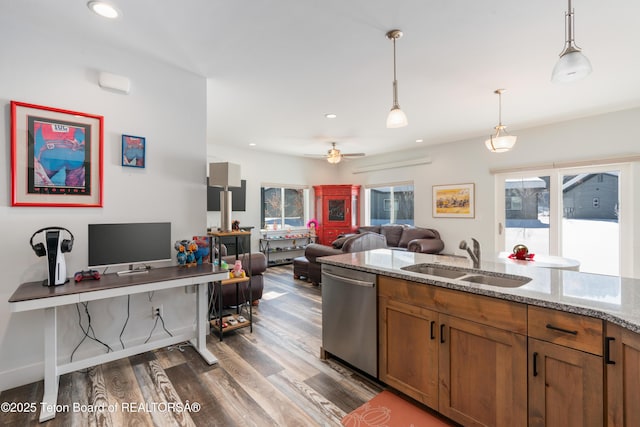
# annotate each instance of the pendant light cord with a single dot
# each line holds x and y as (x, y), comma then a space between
(395, 79)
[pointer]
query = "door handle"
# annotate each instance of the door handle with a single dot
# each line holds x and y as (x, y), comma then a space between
(535, 364)
(432, 332)
(442, 333)
(566, 331)
(607, 351)
(500, 228)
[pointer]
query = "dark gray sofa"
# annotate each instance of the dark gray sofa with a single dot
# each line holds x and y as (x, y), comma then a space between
(397, 237)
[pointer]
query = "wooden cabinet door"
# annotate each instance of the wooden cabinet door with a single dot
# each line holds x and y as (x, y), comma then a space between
(623, 377)
(408, 352)
(565, 386)
(483, 380)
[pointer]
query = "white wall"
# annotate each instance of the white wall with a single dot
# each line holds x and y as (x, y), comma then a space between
(468, 161)
(603, 136)
(168, 107)
(259, 168)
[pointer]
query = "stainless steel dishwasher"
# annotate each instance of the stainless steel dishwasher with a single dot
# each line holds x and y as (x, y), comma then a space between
(349, 317)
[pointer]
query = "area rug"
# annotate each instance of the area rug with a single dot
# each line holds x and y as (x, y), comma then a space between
(390, 410)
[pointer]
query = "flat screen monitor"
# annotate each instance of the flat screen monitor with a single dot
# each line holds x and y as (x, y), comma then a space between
(129, 243)
(238, 197)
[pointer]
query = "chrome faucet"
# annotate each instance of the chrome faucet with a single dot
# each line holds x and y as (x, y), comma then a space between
(473, 254)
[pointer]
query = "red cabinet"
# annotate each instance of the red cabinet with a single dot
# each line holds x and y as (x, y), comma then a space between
(337, 210)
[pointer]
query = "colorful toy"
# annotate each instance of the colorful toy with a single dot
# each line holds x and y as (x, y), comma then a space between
(186, 252)
(202, 254)
(312, 225)
(182, 256)
(237, 271)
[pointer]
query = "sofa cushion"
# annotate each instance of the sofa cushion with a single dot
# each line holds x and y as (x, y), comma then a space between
(364, 242)
(340, 240)
(393, 233)
(369, 228)
(412, 233)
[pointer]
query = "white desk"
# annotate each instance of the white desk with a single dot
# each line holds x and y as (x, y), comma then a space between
(546, 261)
(34, 296)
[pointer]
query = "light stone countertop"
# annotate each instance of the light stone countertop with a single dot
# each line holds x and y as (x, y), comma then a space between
(611, 298)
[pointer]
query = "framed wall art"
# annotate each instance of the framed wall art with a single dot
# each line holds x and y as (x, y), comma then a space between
(133, 151)
(454, 201)
(56, 157)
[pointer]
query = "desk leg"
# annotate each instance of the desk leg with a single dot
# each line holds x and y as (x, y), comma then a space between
(50, 397)
(202, 325)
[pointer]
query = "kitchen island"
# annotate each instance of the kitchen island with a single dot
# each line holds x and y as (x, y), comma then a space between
(562, 349)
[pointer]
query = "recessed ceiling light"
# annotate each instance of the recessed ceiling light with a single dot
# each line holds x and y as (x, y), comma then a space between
(419, 140)
(252, 144)
(331, 115)
(104, 9)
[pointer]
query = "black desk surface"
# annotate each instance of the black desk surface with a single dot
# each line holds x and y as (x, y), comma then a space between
(36, 290)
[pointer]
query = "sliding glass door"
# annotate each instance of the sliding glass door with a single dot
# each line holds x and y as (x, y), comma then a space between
(590, 219)
(574, 213)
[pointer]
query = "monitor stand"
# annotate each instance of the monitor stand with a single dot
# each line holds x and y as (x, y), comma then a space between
(131, 270)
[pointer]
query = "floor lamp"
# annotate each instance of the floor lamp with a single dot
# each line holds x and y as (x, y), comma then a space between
(224, 175)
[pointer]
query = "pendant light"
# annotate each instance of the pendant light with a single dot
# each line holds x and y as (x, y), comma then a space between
(572, 65)
(501, 141)
(396, 118)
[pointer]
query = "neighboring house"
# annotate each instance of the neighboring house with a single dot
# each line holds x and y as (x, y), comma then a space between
(585, 196)
(591, 196)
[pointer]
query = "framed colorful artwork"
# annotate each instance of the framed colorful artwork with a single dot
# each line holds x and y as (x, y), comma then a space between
(454, 201)
(56, 157)
(133, 151)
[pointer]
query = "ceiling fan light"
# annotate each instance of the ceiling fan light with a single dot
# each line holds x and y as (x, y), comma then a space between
(396, 118)
(334, 159)
(573, 65)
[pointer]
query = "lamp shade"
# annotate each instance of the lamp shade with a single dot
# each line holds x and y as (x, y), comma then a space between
(500, 143)
(396, 118)
(571, 66)
(224, 175)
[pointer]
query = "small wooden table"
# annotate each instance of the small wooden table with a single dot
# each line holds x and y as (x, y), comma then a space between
(218, 323)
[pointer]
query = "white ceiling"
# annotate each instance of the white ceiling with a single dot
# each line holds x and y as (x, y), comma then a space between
(275, 67)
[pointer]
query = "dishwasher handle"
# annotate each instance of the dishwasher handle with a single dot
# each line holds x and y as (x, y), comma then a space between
(350, 281)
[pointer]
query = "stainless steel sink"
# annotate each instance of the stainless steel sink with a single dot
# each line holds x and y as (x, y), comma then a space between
(510, 281)
(432, 270)
(469, 275)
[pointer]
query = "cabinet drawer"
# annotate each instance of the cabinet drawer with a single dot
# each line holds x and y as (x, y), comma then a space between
(507, 315)
(568, 329)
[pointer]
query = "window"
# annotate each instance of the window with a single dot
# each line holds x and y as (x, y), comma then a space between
(389, 204)
(284, 207)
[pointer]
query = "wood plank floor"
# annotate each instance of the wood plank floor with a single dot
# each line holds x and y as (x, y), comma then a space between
(271, 377)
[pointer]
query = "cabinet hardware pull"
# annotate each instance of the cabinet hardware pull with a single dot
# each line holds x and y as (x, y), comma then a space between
(442, 333)
(432, 334)
(555, 328)
(607, 350)
(535, 364)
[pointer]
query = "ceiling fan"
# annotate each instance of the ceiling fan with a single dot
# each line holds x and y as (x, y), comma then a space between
(335, 156)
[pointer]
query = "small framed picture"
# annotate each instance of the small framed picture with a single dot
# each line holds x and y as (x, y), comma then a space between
(454, 201)
(133, 151)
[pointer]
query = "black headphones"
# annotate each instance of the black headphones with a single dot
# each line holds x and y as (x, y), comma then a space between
(39, 248)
